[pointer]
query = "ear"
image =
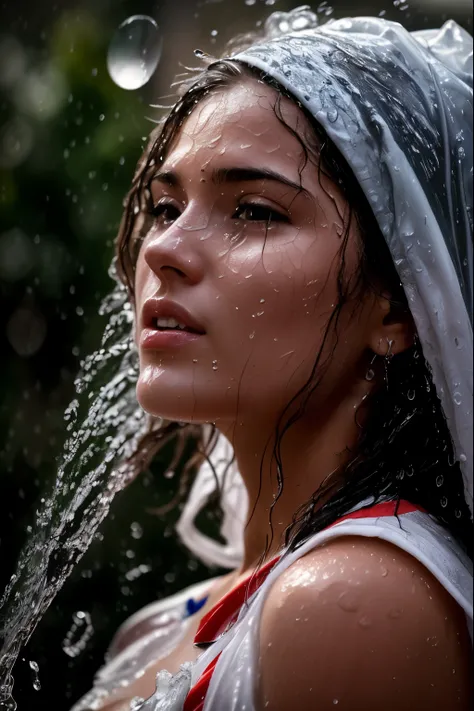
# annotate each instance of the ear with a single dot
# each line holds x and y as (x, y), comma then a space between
(394, 328)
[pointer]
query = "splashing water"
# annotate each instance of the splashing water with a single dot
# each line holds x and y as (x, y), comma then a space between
(134, 52)
(104, 425)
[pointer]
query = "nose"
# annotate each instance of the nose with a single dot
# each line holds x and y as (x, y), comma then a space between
(172, 257)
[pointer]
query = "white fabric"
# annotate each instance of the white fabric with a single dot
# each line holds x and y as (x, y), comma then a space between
(418, 182)
(234, 679)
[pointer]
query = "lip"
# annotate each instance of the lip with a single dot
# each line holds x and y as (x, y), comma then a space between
(151, 338)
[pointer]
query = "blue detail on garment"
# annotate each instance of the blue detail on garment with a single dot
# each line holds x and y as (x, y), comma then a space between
(193, 606)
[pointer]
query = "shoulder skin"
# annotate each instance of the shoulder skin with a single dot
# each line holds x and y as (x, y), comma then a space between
(360, 625)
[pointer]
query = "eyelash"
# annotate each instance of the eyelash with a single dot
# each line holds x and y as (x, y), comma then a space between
(158, 211)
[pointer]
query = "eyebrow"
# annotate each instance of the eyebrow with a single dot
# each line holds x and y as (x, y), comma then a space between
(232, 175)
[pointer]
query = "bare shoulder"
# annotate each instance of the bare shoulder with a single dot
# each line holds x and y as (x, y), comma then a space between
(360, 624)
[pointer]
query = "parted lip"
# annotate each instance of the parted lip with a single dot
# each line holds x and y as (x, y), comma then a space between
(164, 308)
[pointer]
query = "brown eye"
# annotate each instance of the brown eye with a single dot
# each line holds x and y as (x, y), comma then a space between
(259, 213)
(165, 211)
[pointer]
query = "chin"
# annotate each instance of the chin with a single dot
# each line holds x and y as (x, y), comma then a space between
(175, 397)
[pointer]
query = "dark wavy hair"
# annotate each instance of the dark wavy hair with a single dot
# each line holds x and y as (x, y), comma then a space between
(404, 449)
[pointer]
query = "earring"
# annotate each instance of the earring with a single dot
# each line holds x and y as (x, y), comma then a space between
(387, 358)
(370, 374)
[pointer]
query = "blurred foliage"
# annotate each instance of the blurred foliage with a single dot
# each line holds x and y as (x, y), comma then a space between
(69, 141)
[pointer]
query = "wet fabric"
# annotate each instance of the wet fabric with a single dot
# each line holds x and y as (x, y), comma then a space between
(234, 678)
(398, 106)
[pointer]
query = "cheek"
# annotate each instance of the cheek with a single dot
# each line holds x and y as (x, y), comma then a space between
(282, 296)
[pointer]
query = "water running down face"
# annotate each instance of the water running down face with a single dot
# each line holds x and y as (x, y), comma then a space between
(253, 258)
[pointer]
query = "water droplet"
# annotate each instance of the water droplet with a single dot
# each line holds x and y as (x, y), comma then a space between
(262, 301)
(35, 669)
(395, 613)
(136, 530)
(214, 365)
(384, 572)
(333, 115)
(348, 601)
(250, 2)
(443, 501)
(79, 634)
(195, 360)
(365, 622)
(370, 375)
(252, 335)
(411, 394)
(134, 52)
(439, 480)
(462, 458)
(457, 398)
(335, 701)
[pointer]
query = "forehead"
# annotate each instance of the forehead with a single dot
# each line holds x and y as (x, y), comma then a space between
(242, 119)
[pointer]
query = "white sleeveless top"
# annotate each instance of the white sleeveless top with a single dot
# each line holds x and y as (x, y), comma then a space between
(234, 678)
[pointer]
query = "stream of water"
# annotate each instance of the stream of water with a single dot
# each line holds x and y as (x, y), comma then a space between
(103, 423)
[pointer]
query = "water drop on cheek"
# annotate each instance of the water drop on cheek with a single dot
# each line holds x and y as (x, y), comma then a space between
(214, 365)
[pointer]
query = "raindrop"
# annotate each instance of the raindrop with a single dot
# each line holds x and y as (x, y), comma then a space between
(79, 634)
(35, 669)
(136, 530)
(214, 365)
(370, 374)
(335, 701)
(134, 52)
(462, 458)
(252, 335)
(444, 501)
(439, 480)
(411, 395)
(457, 398)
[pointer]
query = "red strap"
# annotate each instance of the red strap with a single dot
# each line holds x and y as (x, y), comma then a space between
(195, 699)
(217, 619)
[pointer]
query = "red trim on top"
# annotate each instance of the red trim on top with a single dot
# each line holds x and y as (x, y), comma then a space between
(386, 508)
(194, 701)
(227, 609)
(217, 619)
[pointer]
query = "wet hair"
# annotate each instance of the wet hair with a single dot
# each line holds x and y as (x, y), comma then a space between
(404, 448)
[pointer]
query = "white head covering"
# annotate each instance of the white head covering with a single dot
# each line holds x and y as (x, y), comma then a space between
(398, 106)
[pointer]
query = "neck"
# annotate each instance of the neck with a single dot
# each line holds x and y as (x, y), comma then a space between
(313, 449)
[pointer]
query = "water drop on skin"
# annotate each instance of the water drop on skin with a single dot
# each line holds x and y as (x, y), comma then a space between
(214, 365)
(348, 601)
(134, 52)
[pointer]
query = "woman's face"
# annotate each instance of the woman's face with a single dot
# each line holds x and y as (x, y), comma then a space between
(252, 258)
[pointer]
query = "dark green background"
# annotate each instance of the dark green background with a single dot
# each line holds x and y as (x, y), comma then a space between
(69, 140)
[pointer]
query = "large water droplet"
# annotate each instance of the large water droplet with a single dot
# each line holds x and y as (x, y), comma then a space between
(134, 52)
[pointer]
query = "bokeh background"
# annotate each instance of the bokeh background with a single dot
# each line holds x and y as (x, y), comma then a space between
(69, 141)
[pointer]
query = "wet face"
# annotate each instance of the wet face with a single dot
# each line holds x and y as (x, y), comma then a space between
(243, 249)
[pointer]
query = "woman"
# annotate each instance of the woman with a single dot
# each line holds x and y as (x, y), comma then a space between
(297, 246)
